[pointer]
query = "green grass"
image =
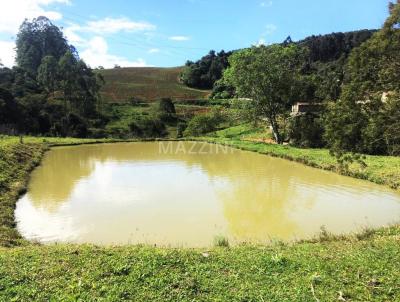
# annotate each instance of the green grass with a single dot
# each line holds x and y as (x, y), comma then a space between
(147, 83)
(121, 115)
(380, 169)
(357, 270)
(359, 267)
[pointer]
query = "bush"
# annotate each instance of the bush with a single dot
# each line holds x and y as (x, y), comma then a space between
(118, 131)
(306, 131)
(166, 110)
(200, 124)
(180, 129)
(97, 133)
(205, 123)
(147, 127)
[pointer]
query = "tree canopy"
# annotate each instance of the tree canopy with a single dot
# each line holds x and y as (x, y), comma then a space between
(270, 77)
(50, 91)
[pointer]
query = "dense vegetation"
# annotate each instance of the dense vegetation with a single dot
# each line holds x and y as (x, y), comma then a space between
(51, 91)
(352, 79)
(325, 61)
(205, 72)
(367, 117)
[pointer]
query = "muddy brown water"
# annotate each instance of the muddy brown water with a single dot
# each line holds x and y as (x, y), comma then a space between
(185, 194)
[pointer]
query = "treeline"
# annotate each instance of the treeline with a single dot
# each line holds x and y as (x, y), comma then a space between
(351, 80)
(206, 71)
(325, 61)
(50, 91)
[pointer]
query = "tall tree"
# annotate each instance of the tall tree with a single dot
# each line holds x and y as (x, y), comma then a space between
(68, 69)
(270, 77)
(36, 40)
(363, 120)
(47, 73)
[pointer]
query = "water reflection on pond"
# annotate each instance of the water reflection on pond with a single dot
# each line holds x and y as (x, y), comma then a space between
(185, 195)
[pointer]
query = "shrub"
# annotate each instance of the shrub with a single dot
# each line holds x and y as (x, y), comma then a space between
(180, 129)
(205, 123)
(166, 110)
(200, 124)
(306, 131)
(147, 127)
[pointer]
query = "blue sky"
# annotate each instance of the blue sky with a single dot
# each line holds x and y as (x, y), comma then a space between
(169, 32)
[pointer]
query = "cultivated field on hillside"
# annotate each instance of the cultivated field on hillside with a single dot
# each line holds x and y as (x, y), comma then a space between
(147, 84)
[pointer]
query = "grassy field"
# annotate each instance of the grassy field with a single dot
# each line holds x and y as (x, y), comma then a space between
(359, 267)
(147, 84)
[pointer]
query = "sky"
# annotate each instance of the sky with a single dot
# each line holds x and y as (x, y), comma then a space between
(167, 33)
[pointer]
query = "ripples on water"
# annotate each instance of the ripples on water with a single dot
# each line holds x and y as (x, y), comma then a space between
(132, 193)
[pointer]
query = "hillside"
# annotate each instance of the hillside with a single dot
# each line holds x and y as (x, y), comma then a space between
(146, 83)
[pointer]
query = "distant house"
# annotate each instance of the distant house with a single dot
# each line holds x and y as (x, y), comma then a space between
(301, 108)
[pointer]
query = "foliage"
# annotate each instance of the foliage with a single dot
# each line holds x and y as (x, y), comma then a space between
(205, 72)
(199, 125)
(146, 127)
(222, 90)
(306, 131)
(51, 91)
(38, 39)
(204, 123)
(270, 77)
(180, 129)
(332, 47)
(166, 110)
(366, 119)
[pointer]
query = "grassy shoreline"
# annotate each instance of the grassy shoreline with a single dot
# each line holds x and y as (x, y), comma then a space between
(361, 267)
(383, 170)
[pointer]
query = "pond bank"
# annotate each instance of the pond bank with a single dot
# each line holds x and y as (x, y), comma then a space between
(383, 170)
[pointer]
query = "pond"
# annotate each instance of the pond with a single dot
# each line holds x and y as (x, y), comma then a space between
(185, 194)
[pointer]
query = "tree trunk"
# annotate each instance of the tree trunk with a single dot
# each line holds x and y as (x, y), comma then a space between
(275, 131)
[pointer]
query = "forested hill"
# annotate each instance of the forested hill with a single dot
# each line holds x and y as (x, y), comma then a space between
(335, 47)
(331, 47)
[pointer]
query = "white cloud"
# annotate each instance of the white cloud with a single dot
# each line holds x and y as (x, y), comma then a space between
(179, 38)
(111, 25)
(266, 4)
(96, 54)
(105, 26)
(13, 13)
(72, 36)
(154, 50)
(270, 29)
(7, 53)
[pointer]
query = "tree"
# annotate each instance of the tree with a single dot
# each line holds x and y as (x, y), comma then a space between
(374, 67)
(67, 67)
(47, 73)
(36, 40)
(363, 121)
(269, 76)
(166, 110)
(206, 71)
